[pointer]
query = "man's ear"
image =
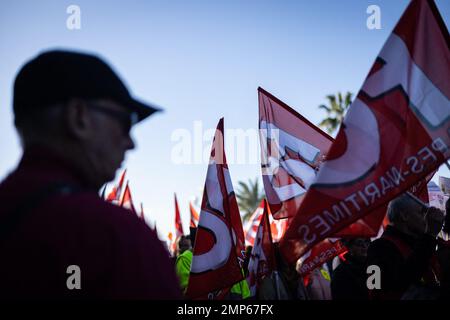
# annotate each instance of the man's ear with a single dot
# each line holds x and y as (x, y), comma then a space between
(77, 119)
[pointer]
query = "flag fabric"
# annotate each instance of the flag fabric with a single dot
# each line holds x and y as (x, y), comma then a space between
(116, 192)
(319, 254)
(178, 225)
(219, 244)
(127, 200)
(194, 216)
(262, 260)
(277, 226)
(251, 227)
(394, 134)
(292, 149)
(300, 146)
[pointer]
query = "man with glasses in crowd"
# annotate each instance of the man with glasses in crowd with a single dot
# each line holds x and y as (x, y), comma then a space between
(74, 115)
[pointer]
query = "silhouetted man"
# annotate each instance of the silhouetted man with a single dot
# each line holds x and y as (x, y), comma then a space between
(74, 116)
(404, 251)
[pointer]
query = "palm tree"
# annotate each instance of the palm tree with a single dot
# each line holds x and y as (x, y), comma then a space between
(249, 196)
(337, 106)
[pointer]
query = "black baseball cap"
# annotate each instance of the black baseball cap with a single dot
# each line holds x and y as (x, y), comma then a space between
(56, 76)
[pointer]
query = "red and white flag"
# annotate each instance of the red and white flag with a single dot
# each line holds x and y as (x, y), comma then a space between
(178, 225)
(277, 226)
(116, 192)
(300, 145)
(127, 200)
(262, 260)
(194, 216)
(292, 149)
(219, 244)
(395, 133)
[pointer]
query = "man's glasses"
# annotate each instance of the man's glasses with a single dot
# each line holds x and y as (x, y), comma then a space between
(127, 120)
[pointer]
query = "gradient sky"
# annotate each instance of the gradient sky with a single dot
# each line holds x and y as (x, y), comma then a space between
(200, 61)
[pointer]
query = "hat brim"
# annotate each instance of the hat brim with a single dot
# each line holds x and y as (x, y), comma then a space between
(143, 110)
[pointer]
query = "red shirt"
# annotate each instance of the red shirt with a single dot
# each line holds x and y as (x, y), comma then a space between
(119, 256)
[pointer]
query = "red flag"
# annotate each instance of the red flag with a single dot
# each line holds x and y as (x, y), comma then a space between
(178, 226)
(219, 243)
(251, 227)
(277, 226)
(295, 148)
(262, 259)
(194, 216)
(127, 201)
(116, 192)
(319, 254)
(394, 134)
(291, 149)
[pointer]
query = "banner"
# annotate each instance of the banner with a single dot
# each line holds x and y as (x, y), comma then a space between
(219, 245)
(262, 260)
(277, 227)
(395, 133)
(295, 144)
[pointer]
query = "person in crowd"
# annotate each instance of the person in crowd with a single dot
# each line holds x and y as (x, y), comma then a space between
(183, 244)
(349, 279)
(58, 238)
(318, 284)
(404, 251)
(248, 252)
(443, 255)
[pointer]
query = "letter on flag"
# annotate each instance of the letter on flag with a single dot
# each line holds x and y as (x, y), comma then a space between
(395, 133)
(292, 149)
(219, 244)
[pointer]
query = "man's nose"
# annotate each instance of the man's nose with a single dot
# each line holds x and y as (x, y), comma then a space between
(129, 143)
